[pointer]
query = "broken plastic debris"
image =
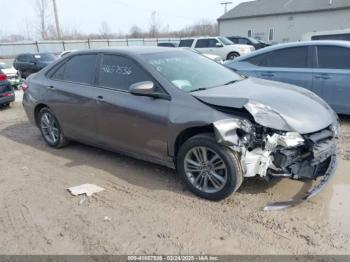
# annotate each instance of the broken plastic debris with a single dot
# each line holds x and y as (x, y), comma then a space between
(87, 189)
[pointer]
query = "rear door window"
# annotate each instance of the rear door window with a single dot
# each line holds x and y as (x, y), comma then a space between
(118, 72)
(186, 43)
(295, 57)
(203, 43)
(79, 69)
(333, 57)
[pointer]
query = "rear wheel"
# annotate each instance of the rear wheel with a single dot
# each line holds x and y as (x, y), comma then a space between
(50, 129)
(210, 170)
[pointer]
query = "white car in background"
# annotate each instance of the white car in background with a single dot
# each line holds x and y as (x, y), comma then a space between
(215, 58)
(220, 46)
(11, 73)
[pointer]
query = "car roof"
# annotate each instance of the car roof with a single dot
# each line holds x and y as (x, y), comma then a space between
(295, 44)
(200, 37)
(130, 50)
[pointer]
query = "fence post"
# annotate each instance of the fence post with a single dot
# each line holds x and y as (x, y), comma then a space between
(37, 46)
(64, 46)
(108, 43)
(88, 43)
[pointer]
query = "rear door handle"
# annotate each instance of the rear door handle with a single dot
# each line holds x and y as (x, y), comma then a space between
(100, 98)
(51, 87)
(323, 76)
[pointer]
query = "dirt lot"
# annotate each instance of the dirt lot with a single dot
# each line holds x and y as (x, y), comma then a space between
(146, 209)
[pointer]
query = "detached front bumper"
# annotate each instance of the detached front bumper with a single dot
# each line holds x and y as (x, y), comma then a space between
(321, 184)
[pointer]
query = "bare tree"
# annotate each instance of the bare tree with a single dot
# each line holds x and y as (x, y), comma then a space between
(155, 25)
(42, 8)
(105, 31)
(135, 32)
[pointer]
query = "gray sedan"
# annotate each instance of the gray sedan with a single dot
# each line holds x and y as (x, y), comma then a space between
(182, 110)
(320, 66)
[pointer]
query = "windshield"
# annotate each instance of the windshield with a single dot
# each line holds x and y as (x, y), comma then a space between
(189, 71)
(45, 57)
(225, 41)
(253, 40)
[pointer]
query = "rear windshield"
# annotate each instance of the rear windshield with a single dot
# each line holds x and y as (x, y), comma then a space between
(45, 57)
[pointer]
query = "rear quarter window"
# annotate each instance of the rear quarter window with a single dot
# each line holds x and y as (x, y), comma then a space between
(186, 43)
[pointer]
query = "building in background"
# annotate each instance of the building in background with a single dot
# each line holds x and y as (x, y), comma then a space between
(284, 20)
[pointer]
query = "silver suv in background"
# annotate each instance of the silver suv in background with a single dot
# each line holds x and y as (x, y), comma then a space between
(220, 46)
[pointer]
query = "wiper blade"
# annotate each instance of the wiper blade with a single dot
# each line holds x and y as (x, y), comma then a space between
(231, 82)
(199, 89)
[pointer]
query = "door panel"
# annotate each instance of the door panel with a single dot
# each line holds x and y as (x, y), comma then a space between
(295, 76)
(133, 124)
(334, 88)
(75, 107)
(73, 96)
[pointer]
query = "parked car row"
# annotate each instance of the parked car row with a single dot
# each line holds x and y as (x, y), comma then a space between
(28, 63)
(7, 95)
(320, 66)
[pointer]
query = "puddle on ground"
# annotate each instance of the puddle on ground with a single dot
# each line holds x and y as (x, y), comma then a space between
(333, 202)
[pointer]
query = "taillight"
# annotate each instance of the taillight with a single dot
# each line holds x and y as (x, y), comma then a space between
(25, 86)
(7, 95)
(3, 77)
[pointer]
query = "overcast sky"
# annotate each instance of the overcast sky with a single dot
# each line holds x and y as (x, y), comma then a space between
(86, 16)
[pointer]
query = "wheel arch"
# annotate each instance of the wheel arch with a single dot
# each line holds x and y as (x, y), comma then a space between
(189, 133)
(232, 52)
(37, 109)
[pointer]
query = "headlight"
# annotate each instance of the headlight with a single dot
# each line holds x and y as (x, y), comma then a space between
(336, 128)
(233, 131)
(266, 116)
(244, 49)
(291, 139)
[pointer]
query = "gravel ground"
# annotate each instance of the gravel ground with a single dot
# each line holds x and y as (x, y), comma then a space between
(146, 209)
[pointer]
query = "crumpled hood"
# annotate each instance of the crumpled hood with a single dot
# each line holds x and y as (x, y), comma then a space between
(302, 110)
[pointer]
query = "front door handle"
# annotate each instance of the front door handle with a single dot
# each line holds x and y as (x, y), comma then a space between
(51, 87)
(100, 98)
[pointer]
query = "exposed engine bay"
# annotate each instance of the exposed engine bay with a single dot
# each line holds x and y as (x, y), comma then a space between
(269, 153)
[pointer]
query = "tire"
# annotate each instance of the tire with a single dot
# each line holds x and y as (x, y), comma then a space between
(50, 129)
(230, 179)
(233, 56)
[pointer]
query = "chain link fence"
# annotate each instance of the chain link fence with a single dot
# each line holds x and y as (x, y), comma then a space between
(10, 50)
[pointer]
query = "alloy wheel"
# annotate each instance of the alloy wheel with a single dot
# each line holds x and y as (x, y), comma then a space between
(205, 169)
(49, 128)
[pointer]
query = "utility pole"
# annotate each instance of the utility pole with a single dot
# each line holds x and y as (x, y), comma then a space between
(59, 36)
(226, 4)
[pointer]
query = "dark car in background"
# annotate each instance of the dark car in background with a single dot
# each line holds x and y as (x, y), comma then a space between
(320, 66)
(179, 109)
(248, 41)
(167, 45)
(7, 95)
(27, 64)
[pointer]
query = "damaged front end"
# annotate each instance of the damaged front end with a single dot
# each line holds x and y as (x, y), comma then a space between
(269, 152)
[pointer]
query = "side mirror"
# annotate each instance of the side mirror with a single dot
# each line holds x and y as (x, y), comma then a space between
(218, 45)
(143, 88)
(147, 88)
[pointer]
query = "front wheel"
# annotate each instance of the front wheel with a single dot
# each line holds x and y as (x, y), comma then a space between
(210, 170)
(232, 56)
(50, 129)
